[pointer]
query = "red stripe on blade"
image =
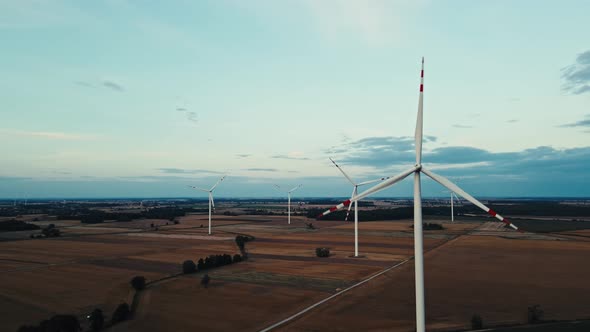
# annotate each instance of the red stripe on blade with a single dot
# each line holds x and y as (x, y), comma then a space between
(332, 209)
(492, 213)
(346, 202)
(422, 73)
(421, 87)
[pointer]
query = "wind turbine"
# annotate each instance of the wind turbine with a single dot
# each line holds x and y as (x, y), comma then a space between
(417, 169)
(452, 212)
(356, 212)
(211, 202)
(289, 199)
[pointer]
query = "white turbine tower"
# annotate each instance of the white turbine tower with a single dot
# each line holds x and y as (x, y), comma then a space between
(416, 170)
(452, 211)
(211, 202)
(288, 199)
(356, 212)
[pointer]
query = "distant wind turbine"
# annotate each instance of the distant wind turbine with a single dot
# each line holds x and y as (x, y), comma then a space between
(211, 202)
(288, 199)
(356, 211)
(417, 169)
(452, 212)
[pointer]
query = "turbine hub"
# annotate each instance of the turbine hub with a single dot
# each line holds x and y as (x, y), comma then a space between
(418, 167)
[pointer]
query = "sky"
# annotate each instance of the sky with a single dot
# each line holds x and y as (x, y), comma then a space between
(142, 98)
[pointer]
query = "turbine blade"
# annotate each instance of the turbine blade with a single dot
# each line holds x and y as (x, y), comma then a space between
(212, 201)
(373, 181)
(296, 187)
(383, 185)
(342, 171)
(418, 133)
(454, 188)
(218, 182)
(201, 189)
(350, 206)
(278, 187)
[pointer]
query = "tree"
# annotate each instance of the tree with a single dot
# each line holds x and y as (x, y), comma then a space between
(96, 319)
(208, 263)
(237, 258)
(121, 313)
(322, 252)
(189, 266)
(476, 322)
(240, 241)
(138, 282)
(201, 264)
(205, 280)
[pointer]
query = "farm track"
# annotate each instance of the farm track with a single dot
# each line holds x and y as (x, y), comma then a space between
(300, 314)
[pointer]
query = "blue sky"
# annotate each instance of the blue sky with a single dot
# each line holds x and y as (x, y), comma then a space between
(130, 98)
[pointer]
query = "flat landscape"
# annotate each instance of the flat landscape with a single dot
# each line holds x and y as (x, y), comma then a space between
(472, 266)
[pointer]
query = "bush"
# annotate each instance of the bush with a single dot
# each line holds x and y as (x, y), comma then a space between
(322, 252)
(51, 231)
(430, 226)
(237, 258)
(96, 319)
(121, 313)
(189, 266)
(535, 314)
(476, 322)
(205, 280)
(138, 282)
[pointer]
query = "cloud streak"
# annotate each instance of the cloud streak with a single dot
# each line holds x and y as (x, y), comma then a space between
(581, 123)
(283, 156)
(576, 77)
(190, 115)
(113, 86)
(261, 169)
(47, 135)
(187, 171)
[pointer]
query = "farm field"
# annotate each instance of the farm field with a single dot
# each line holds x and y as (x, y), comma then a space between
(472, 266)
(86, 269)
(495, 277)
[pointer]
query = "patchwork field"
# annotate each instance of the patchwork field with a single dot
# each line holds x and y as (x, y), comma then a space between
(471, 267)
